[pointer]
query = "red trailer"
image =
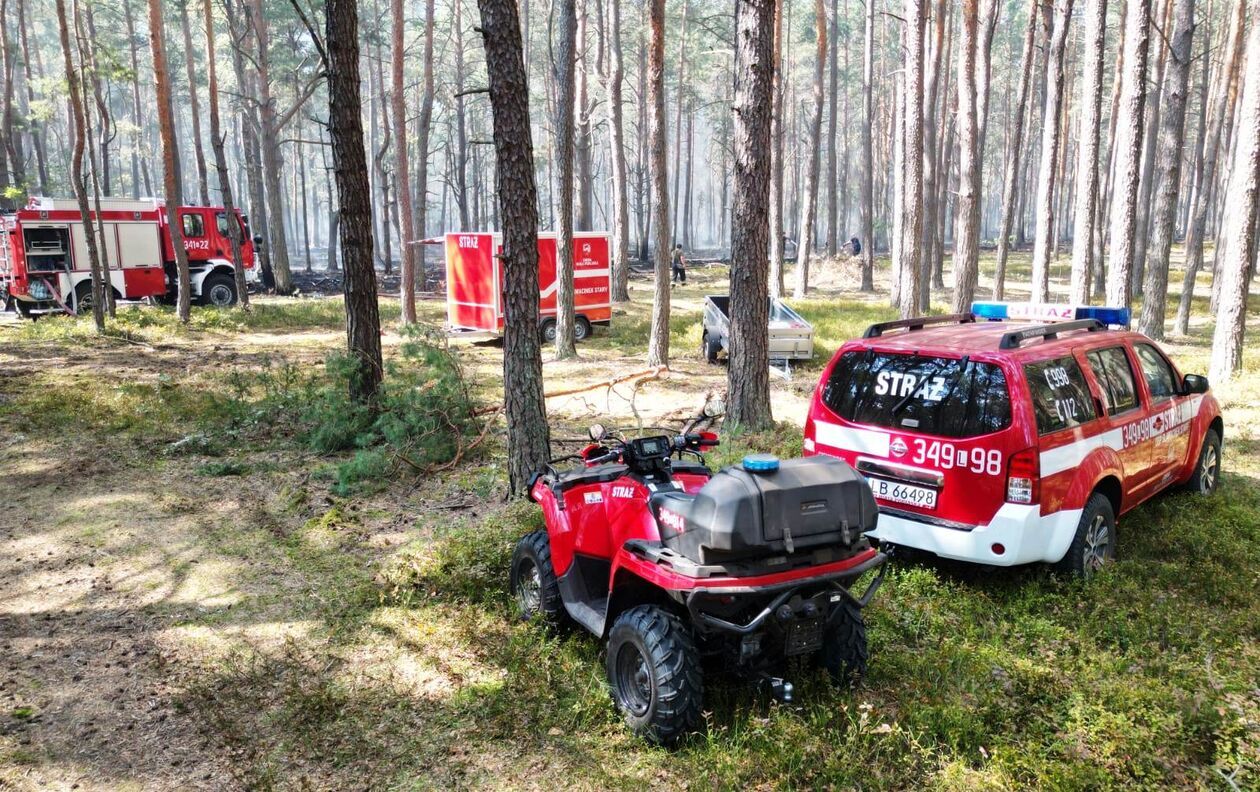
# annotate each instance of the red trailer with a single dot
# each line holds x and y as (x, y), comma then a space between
(44, 264)
(474, 282)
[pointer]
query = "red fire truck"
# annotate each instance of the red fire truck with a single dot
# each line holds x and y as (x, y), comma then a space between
(44, 264)
(474, 282)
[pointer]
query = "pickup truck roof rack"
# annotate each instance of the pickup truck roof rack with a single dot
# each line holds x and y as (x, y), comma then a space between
(918, 323)
(1013, 339)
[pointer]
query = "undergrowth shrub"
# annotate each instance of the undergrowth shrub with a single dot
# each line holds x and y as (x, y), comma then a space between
(463, 562)
(423, 418)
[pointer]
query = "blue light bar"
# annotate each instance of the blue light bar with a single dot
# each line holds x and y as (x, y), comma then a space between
(1047, 312)
(761, 463)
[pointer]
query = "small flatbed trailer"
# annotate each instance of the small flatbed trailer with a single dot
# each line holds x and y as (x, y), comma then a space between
(791, 337)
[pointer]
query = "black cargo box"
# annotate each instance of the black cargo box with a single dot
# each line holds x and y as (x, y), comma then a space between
(806, 504)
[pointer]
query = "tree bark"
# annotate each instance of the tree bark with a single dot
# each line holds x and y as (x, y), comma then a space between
(658, 341)
(272, 160)
(220, 159)
(424, 128)
(402, 166)
(564, 125)
(805, 242)
(524, 407)
(1159, 56)
(1238, 232)
(1168, 167)
(833, 83)
(967, 213)
(585, 197)
(617, 150)
(137, 135)
(1087, 152)
(748, 378)
(678, 118)
(934, 56)
(776, 159)
(170, 155)
(194, 106)
(912, 224)
(1010, 184)
(354, 195)
(1127, 152)
(76, 173)
(1221, 103)
(1050, 138)
(868, 154)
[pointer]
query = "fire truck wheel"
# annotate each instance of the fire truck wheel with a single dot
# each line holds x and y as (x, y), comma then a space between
(547, 331)
(1095, 542)
(83, 298)
(1207, 473)
(219, 290)
(581, 328)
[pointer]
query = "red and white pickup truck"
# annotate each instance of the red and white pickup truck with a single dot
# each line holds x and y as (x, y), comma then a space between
(1014, 433)
(44, 264)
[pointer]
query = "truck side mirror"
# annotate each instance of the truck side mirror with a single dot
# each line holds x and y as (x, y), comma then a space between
(596, 432)
(1194, 383)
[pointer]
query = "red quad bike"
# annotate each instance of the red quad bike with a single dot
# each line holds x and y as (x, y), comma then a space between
(677, 566)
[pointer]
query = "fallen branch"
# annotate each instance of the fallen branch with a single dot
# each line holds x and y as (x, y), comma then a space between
(645, 375)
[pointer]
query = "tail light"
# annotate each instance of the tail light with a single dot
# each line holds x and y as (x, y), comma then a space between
(1022, 477)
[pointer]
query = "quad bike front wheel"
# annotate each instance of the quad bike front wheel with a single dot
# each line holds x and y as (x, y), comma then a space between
(654, 674)
(844, 653)
(533, 580)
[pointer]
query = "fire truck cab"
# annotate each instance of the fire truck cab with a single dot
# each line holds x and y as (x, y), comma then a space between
(45, 267)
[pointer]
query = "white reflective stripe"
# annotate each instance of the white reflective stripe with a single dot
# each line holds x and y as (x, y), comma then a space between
(592, 273)
(1057, 460)
(848, 438)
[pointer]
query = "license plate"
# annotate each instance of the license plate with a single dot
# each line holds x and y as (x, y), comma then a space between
(897, 492)
(803, 636)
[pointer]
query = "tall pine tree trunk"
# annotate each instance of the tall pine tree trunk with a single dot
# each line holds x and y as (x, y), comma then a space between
(1216, 130)
(564, 76)
(778, 89)
(967, 213)
(1050, 140)
(1127, 153)
(1010, 184)
(408, 244)
(354, 195)
(1168, 169)
(617, 150)
(912, 156)
(1238, 231)
(220, 158)
(868, 154)
(658, 341)
(528, 437)
(194, 106)
(805, 241)
(1087, 152)
(748, 382)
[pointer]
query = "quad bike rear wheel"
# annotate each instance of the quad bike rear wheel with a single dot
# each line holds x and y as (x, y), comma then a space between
(844, 653)
(533, 581)
(654, 673)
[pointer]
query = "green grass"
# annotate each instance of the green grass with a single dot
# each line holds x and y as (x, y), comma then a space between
(411, 672)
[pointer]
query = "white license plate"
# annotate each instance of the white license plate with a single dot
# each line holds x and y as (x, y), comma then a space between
(897, 492)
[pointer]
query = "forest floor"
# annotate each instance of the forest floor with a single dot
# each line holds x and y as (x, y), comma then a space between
(186, 603)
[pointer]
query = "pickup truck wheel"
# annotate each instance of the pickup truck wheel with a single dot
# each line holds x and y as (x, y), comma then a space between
(844, 652)
(1094, 545)
(533, 581)
(1207, 472)
(654, 674)
(218, 290)
(581, 328)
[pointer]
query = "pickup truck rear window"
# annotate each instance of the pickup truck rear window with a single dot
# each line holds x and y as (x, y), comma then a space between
(949, 397)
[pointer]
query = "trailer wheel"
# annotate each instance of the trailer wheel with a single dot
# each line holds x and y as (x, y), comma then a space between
(219, 290)
(581, 328)
(547, 330)
(710, 348)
